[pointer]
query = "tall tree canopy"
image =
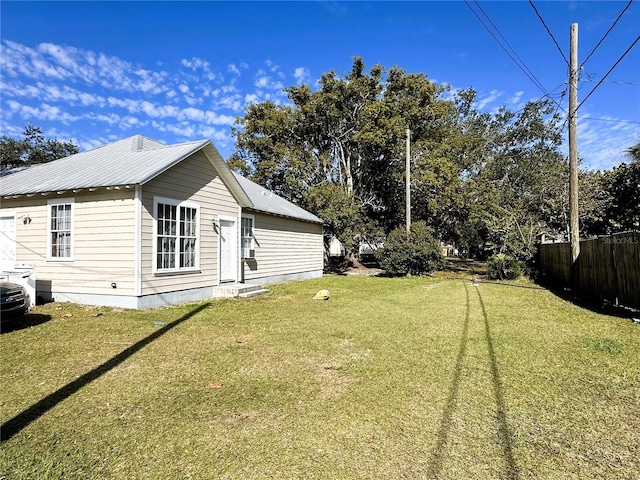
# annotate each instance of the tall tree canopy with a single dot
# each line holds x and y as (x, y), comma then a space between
(623, 185)
(33, 148)
(488, 182)
(338, 150)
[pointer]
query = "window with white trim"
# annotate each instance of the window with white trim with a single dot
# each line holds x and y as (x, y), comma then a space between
(60, 226)
(246, 236)
(177, 235)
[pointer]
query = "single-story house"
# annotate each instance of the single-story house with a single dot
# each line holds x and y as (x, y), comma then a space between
(138, 224)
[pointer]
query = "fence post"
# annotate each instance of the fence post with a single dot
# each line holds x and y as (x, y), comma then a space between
(615, 272)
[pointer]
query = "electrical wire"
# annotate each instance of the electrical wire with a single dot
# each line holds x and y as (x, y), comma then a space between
(610, 70)
(520, 65)
(532, 77)
(635, 84)
(605, 35)
(549, 32)
(610, 120)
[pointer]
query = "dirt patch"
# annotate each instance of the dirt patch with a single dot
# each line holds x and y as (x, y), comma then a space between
(363, 271)
(466, 265)
(364, 267)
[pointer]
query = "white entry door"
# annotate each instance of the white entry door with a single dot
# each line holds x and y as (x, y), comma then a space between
(228, 247)
(7, 238)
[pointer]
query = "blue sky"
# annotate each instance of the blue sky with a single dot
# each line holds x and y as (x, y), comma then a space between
(180, 71)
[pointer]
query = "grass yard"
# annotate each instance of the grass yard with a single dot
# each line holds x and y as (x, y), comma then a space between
(408, 378)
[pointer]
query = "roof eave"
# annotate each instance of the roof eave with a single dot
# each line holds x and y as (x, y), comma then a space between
(319, 221)
(44, 193)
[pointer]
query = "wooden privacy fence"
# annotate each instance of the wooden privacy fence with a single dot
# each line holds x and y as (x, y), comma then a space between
(608, 267)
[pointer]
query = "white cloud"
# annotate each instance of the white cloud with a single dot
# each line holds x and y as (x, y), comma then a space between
(99, 96)
(195, 63)
(50, 62)
(232, 102)
(251, 98)
(43, 112)
(13, 105)
(262, 80)
(110, 118)
(88, 144)
(192, 100)
(302, 75)
(183, 129)
(89, 99)
(602, 142)
(119, 102)
(128, 122)
(492, 97)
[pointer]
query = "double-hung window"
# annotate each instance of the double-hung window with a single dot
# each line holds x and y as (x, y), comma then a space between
(246, 235)
(177, 235)
(60, 226)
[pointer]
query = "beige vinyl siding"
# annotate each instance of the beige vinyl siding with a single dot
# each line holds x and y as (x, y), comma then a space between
(284, 246)
(196, 181)
(103, 242)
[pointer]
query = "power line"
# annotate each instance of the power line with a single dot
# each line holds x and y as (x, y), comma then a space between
(565, 122)
(609, 120)
(610, 70)
(549, 32)
(534, 79)
(614, 82)
(605, 35)
(520, 65)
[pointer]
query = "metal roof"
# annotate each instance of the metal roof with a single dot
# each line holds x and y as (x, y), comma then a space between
(264, 200)
(135, 161)
(131, 161)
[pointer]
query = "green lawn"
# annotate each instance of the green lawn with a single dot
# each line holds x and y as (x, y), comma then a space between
(409, 378)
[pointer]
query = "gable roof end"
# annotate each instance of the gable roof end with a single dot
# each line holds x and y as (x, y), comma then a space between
(131, 161)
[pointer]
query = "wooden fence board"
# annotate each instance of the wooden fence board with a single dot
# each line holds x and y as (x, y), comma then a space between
(608, 267)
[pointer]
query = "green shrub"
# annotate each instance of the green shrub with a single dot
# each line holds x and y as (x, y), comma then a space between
(503, 267)
(414, 253)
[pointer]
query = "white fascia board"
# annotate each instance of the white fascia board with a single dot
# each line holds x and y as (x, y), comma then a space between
(227, 177)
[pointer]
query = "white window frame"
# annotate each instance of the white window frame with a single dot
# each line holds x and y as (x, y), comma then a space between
(178, 237)
(50, 232)
(247, 252)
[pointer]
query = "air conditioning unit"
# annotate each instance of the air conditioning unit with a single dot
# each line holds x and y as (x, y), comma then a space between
(248, 253)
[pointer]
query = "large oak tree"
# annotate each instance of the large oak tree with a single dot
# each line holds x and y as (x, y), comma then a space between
(33, 148)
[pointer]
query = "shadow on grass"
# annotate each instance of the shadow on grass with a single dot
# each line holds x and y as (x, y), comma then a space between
(504, 434)
(507, 284)
(452, 399)
(23, 419)
(31, 320)
(593, 303)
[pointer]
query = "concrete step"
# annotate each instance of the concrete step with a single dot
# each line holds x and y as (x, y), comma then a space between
(253, 293)
(244, 290)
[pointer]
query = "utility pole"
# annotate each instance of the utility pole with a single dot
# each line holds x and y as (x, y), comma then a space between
(408, 181)
(573, 152)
